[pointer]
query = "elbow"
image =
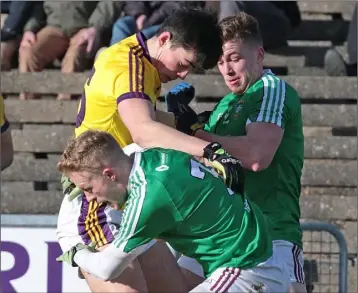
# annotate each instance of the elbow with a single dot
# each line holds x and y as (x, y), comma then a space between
(257, 162)
(108, 274)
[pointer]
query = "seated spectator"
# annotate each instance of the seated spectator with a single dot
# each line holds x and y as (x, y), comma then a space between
(18, 14)
(145, 16)
(276, 18)
(73, 31)
(333, 61)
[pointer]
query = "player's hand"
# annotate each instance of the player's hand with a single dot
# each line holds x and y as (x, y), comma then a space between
(226, 165)
(186, 120)
(182, 93)
(70, 254)
(69, 188)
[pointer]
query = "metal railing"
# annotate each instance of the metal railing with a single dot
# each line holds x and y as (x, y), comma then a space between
(326, 258)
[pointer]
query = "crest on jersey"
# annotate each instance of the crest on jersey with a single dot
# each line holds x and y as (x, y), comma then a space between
(162, 168)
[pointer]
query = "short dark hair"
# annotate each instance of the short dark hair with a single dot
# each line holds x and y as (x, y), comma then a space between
(241, 26)
(195, 28)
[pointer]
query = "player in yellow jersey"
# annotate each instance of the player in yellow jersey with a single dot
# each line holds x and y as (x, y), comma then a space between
(119, 98)
(7, 151)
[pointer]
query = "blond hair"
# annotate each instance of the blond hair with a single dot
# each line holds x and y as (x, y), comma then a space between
(241, 26)
(90, 151)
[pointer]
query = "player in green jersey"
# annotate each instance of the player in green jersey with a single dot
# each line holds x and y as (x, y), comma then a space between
(260, 123)
(169, 195)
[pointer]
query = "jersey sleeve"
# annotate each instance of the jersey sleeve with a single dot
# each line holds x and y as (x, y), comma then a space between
(136, 82)
(148, 213)
(3, 121)
(267, 103)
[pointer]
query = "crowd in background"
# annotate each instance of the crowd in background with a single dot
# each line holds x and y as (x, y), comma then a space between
(44, 34)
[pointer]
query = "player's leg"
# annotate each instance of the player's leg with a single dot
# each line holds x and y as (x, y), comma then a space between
(161, 271)
(292, 256)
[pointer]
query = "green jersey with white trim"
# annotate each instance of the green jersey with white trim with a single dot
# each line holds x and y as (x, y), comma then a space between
(276, 190)
(175, 198)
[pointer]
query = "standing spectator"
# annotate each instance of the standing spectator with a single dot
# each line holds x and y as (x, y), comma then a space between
(72, 30)
(333, 61)
(276, 18)
(18, 14)
(145, 16)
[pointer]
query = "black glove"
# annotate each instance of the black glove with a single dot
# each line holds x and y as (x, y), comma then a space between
(226, 165)
(186, 120)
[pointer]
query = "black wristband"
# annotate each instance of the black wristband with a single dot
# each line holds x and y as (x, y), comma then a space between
(74, 249)
(210, 150)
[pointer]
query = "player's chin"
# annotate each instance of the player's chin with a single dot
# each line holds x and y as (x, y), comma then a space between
(165, 78)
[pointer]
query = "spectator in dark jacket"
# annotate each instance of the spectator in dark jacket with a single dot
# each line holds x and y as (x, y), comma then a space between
(145, 16)
(72, 30)
(18, 14)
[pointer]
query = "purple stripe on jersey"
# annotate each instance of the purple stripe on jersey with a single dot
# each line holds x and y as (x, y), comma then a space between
(133, 95)
(130, 70)
(136, 72)
(5, 126)
(141, 40)
(81, 113)
(82, 221)
(102, 221)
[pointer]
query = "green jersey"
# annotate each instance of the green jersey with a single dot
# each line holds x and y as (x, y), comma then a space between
(276, 190)
(175, 198)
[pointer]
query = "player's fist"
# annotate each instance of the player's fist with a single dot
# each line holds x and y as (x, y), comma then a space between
(186, 120)
(226, 165)
(68, 256)
(182, 93)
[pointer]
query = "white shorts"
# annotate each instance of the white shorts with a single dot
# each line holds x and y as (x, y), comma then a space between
(80, 221)
(269, 276)
(289, 253)
(292, 256)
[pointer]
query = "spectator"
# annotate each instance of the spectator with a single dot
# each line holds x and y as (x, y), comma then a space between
(18, 14)
(276, 18)
(72, 30)
(145, 16)
(333, 61)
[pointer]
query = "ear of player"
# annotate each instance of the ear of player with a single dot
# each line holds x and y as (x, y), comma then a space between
(226, 165)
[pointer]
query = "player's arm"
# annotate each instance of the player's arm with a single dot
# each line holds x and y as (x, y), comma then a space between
(7, 151)
(145, 217)
(264, 131)
(139, 117)
(134, 102)
(256, 149)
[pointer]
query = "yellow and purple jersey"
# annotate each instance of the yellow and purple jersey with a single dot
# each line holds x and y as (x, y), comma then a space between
(122, 71)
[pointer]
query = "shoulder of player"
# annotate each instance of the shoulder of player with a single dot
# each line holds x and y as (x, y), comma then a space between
(273, 87)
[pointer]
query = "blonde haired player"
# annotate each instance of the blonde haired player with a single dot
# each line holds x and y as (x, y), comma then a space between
(196, 214)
